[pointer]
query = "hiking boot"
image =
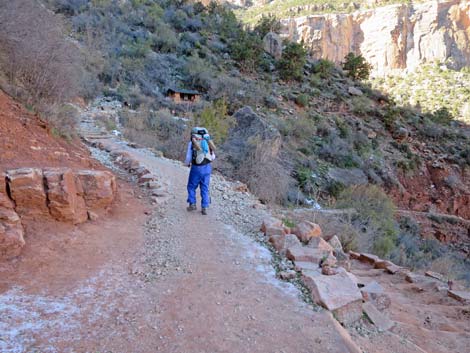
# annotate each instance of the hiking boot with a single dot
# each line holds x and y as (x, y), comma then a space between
(204, 211)
(191, 207)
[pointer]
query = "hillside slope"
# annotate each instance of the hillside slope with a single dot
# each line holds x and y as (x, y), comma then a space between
(310, 133)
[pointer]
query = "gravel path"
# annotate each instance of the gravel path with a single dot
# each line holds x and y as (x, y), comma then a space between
(154, 278)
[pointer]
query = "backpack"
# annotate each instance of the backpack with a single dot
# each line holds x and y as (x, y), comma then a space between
(202, 146)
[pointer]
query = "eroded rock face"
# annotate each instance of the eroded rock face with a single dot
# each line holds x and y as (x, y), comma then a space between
(272, 44)
(65, 202)
(391, 38)
(98, 188)
(27, 191)
(11, 229)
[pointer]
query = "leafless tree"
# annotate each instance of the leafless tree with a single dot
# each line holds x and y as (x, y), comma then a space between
(36, 57)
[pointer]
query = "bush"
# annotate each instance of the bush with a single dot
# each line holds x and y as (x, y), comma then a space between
(292, 62)
(199, 73)
(36, 57)
(374, 217)
(356, 67)
(267, 24)
(323, 68)
(301, 100)
(246, 48)
(216, 120)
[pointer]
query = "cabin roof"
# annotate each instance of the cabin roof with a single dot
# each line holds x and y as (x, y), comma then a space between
(184, 91)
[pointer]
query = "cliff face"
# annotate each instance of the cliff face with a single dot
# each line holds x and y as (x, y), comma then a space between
(391, 38)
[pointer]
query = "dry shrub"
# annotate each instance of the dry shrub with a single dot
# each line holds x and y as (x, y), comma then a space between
(36, 57)
(157, 129)
(264, 174)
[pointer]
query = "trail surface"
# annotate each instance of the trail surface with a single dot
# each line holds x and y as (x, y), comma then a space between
(155, 278)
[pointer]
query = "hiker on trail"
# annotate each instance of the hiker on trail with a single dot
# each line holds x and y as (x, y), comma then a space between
(199, 155)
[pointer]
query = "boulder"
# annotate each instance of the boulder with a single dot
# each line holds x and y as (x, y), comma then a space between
(368, 258)
(354, 255)
(461, 296)
(337, 293)
(27, 191)
(274, 230)
(336, 244)
(300, 253)
(301, 266)
(328, 270)
(287, 275)
(392, 268)
(11, 229)
(291, 241)
(65, 202)
(382, 322)
(146, 178)
(272, 44)
(382, 264)
(270, 222)
(278, 241)
(98, 188)
(435, 275)
(307, 230)
(354, 91)
(329, 261)
(320, 244)
(375, 293)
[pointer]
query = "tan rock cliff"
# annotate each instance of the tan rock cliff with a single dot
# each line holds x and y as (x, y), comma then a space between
(391, 38)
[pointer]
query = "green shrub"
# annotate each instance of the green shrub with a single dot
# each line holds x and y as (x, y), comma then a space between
(292, 62)
(374, 216)
(301, 100)
(216, 120)
(267, 24)
(356, 67)
(246, 48)
(323, 68)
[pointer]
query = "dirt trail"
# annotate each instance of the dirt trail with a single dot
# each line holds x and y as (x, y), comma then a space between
(171, 281)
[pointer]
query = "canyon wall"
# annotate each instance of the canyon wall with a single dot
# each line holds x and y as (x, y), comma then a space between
(391, 38)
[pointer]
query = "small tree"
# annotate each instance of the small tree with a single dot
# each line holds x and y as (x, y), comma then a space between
(216, 119)
(356, 67)
(246, 48)
(292, 62)
(267, 24)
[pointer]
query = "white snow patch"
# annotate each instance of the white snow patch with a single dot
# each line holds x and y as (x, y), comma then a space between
(259, 258)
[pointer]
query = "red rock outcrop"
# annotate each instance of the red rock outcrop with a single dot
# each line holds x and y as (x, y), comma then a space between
(11, 229)
(26, 187)
(98, 188)
(65, 202)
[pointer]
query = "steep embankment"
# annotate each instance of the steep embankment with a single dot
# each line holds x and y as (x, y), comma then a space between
(27, 141)
(394, 37)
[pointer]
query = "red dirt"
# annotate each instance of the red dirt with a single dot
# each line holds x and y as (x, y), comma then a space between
(27, 141)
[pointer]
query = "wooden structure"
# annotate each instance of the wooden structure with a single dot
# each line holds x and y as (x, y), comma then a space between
(183, 95)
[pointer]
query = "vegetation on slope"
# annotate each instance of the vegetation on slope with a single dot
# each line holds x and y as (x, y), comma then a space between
(296, 8)
(432, 87)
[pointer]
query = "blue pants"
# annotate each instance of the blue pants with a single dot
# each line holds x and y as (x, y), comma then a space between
(200, 175)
